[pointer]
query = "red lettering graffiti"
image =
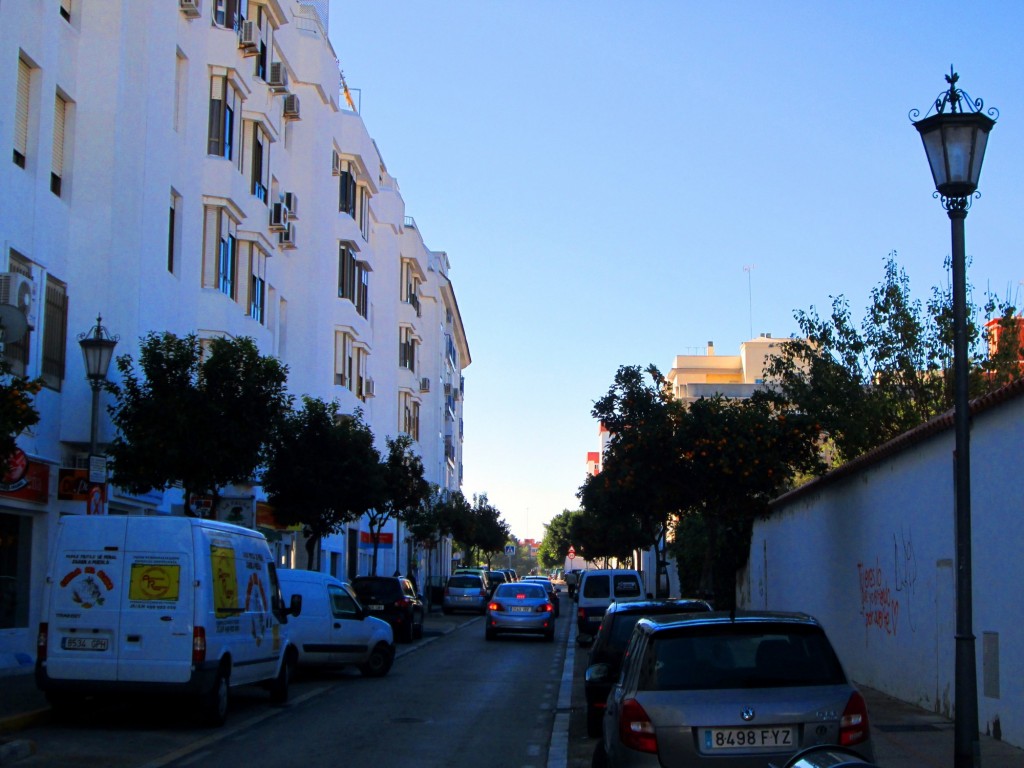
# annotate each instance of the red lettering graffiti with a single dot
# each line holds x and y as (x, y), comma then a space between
(877, 604)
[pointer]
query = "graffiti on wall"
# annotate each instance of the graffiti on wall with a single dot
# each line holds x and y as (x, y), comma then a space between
(884, 594)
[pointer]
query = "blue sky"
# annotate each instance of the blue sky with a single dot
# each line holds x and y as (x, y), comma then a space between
(600, 174)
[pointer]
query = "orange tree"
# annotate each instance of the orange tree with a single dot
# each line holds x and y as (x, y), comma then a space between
(17, 409)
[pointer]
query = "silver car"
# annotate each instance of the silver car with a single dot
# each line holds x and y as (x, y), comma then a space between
(730, 690)
(520, 607)
(465, 592)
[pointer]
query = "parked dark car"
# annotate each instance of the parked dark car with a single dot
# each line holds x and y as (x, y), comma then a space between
(724, 689)
(393, 599)
(611, 641)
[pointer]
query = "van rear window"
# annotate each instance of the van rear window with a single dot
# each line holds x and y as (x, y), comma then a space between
(465, 582)
(596, 586)
(626, 586)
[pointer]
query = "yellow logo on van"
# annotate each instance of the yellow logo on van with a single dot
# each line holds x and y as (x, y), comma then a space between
(225, 581)
(154, 582)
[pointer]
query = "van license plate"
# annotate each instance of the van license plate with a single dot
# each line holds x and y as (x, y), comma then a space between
(83, 643)
(376, 607)
(748, 738)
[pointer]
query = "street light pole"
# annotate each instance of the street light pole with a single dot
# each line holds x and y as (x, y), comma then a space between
(955, 144)
(97, 351)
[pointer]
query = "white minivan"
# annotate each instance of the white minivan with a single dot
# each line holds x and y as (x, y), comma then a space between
(162, 604)
(334, 629)
(597, 589)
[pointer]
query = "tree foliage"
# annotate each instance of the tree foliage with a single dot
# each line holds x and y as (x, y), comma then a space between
(17, 409)
(203, 420)
(323, 471)
(558, 537)
(404, 489)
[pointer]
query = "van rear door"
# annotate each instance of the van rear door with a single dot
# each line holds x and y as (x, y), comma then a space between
(157, 601)
(87, 582)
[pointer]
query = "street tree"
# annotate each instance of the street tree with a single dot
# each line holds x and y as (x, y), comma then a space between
(323, 471)
(554, 547)
(17, 410)
(199, 413)
(405, 489)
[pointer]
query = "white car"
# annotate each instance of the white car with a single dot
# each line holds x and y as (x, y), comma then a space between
(333, 628)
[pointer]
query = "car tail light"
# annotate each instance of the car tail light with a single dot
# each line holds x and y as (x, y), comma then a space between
(447, 592)
(403, 602)
(42, 640)
(544, 608)
(484, 593)
(495, 607)
(636, 731)
(853, 725)
(198, 645)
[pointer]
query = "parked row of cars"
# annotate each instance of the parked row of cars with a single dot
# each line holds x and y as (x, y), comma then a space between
(673, 682)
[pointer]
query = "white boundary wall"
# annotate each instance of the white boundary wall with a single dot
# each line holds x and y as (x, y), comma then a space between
(871, 554)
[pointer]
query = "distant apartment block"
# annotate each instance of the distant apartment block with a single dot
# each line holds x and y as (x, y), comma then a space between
(732, 376)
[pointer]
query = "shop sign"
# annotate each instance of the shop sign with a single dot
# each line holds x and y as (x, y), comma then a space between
(26, 479)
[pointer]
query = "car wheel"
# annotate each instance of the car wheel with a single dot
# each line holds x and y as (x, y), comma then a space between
(213, 708)
(550, 635)
(490, 634)
(379, 661)
(600, 758)
(446, 611)
(418, 628)
(594, 717)
(279, 685)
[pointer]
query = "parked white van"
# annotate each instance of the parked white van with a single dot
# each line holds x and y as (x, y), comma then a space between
(163, 604)
(334, 627)
(597, 589)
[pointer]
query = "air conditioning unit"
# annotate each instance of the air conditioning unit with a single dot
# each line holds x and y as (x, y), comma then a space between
(291, 202)
(335, 163)
(287, 238)
(249, 38)
(277, 78)
(424, 385)
(19, 291)
(367, 387)
(278, 217)
(190, 8)
(291, 107)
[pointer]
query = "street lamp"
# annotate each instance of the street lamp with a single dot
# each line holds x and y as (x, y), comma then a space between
(954, 140)
(97, 350)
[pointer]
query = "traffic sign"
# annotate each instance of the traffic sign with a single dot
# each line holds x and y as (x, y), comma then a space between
(510, 549)
(572, 552)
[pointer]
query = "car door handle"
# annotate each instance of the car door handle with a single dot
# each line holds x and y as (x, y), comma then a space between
(337, 625)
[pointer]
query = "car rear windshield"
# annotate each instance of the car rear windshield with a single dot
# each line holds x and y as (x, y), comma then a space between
(382, 589)
(530, 591)
(598, 585)
(721, 656)
(465, 582)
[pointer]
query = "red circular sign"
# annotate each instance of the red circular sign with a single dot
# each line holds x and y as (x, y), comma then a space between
(572, 551)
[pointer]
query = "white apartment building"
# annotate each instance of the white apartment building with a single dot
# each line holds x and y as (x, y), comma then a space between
(708, 374)
(194, 166)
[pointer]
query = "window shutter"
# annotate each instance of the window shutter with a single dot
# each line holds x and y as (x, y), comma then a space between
(59, 113)
(65, 9)
(215, 131)
(211, 246)
(55, 331)
(243, 273)
(21, 109)
(339, 358)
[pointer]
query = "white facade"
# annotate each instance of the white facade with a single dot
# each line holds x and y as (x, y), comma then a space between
(179, 125)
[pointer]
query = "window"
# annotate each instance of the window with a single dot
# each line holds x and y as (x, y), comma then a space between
(16, 351)
(226, 264)
(60, 109)
(224, 103)
(220, 251)
(257, 284)
(260, 163)
(226, 13)
(261, 54)
(55, 332)
(347, 190)
(172, 231)
(344, 363)
(353, 279)
(364, 213)
(21, 113)
(65, 10)
(407, 343)
(410, 285)
(409, 413)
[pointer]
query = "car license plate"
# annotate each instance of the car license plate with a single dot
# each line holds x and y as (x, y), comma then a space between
(376, 607)
(83, 643)
(521, 609)
(748, 738)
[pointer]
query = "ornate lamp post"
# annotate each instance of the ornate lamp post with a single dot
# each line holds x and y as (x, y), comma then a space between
(97, 350)
(954, 140)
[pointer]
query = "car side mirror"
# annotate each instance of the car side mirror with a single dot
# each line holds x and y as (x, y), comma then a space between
(598, 673)
(296, 605)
